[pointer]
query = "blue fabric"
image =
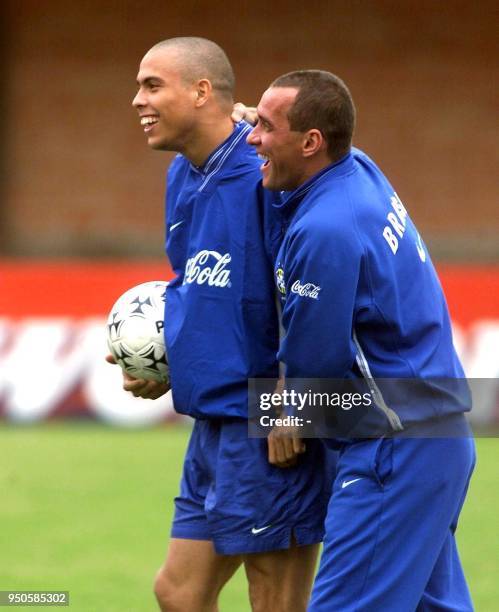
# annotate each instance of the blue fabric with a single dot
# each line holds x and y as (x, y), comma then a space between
(230, 494)
(390, 543)
(361, 298)
(359, 292)
(221, 328)
(220, 321)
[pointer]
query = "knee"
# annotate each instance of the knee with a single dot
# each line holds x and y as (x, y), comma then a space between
(168, 594)
(176, 593)
(264, 598)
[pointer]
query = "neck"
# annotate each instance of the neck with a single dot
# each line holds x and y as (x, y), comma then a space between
(317, 164)
(312, 168)
(208, 136)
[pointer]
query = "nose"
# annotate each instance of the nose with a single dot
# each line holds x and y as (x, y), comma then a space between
(253, 137)
(138, 100)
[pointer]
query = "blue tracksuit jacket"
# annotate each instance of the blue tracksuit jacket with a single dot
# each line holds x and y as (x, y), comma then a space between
(360, 294)
(220, 318)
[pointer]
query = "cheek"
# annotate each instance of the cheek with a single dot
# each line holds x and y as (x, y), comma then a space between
(285, 160)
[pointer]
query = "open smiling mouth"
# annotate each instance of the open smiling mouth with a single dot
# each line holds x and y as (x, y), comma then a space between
(148, 123)
(266, 161)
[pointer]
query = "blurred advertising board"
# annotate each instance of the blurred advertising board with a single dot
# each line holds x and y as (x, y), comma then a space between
(53, 339)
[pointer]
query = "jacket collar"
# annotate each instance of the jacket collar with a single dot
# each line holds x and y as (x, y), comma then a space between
(292, 199)
(216, 160)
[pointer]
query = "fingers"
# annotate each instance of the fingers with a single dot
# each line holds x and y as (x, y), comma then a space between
(134, 385)
(238, 112)
(138, 387)
(284, 448)
(277, 455)
(299, 446)
(153, 390)
(146, 389)
(250, 115)
(241, 111)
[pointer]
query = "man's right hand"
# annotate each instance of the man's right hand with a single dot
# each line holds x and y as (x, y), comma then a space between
(138, 387)
(241, 111)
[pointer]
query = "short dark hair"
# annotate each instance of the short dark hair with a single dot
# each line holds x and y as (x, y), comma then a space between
(203, 59)
(323, 102)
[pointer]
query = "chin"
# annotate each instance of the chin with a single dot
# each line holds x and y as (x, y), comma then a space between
(270, 185)
(157, 145)
(274, 186)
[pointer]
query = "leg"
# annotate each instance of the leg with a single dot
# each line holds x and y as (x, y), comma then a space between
(393, 504)
(232, 502)
(281, 580)
(272, 516)
(193, 573)
(447, 589)
(192, 576)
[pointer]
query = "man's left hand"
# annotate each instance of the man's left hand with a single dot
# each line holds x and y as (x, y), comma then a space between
(284, 446)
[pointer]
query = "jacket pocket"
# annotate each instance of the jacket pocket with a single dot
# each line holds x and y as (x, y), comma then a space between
(382, 464)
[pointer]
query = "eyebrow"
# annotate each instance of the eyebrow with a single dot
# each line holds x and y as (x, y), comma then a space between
(264, 119)
(149, 80)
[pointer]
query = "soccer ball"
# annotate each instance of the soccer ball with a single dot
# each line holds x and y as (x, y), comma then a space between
(135, 331)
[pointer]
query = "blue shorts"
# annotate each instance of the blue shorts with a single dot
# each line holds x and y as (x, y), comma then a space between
(389, 543)
(231, 495)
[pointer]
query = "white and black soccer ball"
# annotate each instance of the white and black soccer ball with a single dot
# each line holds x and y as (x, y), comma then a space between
(135, 331)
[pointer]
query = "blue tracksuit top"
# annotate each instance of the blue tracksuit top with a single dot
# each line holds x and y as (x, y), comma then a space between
(221, 324)
(360, 294)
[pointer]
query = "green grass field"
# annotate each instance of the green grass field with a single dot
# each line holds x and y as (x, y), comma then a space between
(86, 508)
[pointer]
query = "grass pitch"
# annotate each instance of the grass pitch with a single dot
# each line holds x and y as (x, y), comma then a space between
(87, 509)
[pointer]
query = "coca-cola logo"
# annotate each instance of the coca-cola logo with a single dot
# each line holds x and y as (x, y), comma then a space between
(306, 290)
(208, 267)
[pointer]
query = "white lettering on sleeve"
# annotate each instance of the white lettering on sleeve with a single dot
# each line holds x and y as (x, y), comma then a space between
(391, 239)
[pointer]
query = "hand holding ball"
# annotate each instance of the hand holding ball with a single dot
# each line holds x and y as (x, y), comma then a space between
(135, 332)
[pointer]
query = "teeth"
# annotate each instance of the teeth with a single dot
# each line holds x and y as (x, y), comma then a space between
(148, 120)
(264, 157)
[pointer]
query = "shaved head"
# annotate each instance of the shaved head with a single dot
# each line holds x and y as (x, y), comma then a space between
(200, 58)
(184, 98)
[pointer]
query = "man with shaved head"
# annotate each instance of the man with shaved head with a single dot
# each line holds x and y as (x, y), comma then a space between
(202, 58)
(221, 329)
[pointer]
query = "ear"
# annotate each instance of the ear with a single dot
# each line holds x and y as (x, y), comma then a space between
(203, 92)
(313, 142)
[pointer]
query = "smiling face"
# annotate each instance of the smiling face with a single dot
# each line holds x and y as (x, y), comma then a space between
(165, 101)
(281, 147)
